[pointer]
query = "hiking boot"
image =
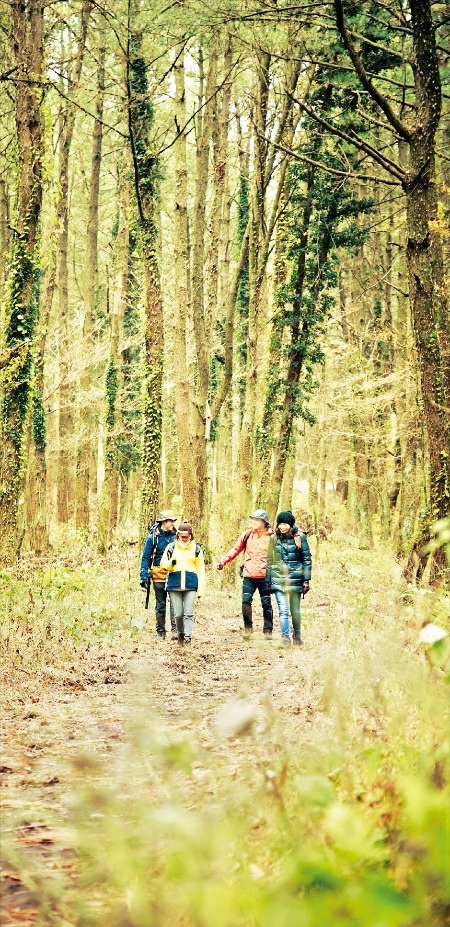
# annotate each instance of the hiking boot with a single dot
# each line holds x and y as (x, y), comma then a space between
(187, 640)
(268, 635)
(161, 634)
(174, 635)
(247, 633)
(181, 639)
(297, 641)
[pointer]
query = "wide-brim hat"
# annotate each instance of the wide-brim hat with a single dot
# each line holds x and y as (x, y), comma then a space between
(262, 514)
(167, 515)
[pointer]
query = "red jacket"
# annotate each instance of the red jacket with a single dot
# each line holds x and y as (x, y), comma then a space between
(256, 551)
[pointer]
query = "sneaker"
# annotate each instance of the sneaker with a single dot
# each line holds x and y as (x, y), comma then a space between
(187, 640)
(174, 635)
(161, 635)
(268, 635)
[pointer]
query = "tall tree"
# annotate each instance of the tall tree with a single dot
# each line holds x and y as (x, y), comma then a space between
(110, 490)
(66, 475)
(415, 169)
(87, 438)
(22, 299)
(145, 164)
(181, 259)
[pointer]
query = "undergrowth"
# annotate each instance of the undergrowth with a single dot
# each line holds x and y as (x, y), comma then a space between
(348, 828)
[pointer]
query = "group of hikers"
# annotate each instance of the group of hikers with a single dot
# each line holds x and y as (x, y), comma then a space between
(275, 561)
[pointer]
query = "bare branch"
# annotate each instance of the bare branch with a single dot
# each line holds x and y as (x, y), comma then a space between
(355, 140)
(332, 170)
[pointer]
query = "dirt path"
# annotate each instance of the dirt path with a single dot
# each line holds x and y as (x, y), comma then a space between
(213, 692)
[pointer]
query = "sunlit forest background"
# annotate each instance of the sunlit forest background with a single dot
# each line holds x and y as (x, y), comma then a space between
(225, 248)
(224, 236)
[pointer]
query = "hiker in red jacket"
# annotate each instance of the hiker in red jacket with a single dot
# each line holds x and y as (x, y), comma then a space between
(255, 544)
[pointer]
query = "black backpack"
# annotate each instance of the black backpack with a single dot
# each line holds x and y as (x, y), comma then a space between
(246, 537)
(171, 547)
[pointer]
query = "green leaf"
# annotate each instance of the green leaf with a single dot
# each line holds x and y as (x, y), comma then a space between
(317, 791)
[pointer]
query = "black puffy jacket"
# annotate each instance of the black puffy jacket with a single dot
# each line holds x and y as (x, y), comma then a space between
(290, 565)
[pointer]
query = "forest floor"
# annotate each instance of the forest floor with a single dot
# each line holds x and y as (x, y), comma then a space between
(99, 712)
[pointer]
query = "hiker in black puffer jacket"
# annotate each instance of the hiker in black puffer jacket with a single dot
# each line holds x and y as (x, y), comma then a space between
(290, 572)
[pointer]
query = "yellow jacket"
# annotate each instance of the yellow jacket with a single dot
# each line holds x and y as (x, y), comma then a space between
(185, 569)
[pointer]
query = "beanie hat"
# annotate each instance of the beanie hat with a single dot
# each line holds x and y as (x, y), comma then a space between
(185, 527)
(286, 518)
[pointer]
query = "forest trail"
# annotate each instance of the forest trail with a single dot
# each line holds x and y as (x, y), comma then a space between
(209, 692)
(218, 729)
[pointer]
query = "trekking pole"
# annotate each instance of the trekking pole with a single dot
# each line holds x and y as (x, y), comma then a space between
(148, 590)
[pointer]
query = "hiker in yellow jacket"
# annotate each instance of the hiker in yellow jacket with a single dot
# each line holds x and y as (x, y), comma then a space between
(183, 560)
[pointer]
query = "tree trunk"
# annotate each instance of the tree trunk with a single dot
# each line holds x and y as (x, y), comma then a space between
(4, 242)
(286, 497)
(215, 273)
(110, 491)
(256, 224)
(87, 450)
(431, 330)
(36, 484)
(201, 312)
(140, 121)
(182, 384)
(66, 461)
(22, 299)
(428, 294)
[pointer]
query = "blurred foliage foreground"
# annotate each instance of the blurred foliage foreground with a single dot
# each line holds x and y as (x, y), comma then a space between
(340, 821)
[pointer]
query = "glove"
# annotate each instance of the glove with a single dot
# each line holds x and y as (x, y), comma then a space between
(305, 586)
(220, 565)
(143, 583)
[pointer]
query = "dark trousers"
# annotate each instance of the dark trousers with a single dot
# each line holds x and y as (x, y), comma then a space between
(160, 609)
(249, 588)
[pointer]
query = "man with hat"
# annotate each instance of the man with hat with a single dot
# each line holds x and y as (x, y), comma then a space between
(161, 534)
(255, 543)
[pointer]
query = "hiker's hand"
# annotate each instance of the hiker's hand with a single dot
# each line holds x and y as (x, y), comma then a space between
(220, 565)
(305, 586)
(144, 584)
(298, 540)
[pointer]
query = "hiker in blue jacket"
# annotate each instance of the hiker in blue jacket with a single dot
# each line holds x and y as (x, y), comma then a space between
(161, 534)
(290, 573)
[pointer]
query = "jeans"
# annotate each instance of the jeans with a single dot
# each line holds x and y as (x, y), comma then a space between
(249, 588)
(160, 610)
(183, 609)
(289, 601)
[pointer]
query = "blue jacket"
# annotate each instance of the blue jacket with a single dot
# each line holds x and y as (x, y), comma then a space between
(290, 565)
(155, 546)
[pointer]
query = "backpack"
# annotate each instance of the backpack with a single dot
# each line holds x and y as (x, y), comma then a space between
(246, 537)
(153, 531)
(269, 554)
(171, 547)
